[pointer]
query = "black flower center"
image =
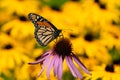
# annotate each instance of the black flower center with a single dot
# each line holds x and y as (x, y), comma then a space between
(97, 1)
(89, 37)
(63, 47)
(109, 68)
(102, 6)
(22, 18)
(8, 46)
(56, 8)
(73, 35)
(8, 32)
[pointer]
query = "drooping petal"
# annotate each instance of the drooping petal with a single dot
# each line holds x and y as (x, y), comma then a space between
(40, 72)
(45, 63)
(56, 64)
(43, 57)
(44, 54)
(47, 58)
(49, 67)
(77, 60)
(38, 61)
(60, 68)
(72, 71)
(74, 67)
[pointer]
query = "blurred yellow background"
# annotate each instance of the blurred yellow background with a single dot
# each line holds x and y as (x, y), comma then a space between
(93, 26)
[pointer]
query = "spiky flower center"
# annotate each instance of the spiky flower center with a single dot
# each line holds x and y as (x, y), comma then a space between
(63, 47)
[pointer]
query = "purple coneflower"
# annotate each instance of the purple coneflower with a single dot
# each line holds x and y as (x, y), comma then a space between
(55, 57)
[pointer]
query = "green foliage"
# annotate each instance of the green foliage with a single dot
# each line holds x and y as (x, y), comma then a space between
(10, 77)
(115, 54)
(67, 76)
(54, 4)
(99, 78)
(5, 77)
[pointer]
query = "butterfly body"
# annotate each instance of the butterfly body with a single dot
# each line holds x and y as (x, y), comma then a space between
(45, 31)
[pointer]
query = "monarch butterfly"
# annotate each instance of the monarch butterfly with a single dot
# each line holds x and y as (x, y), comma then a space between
(45, 31)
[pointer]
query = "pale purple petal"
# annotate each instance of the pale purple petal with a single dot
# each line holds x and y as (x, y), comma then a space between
(56, 65)
(44, 54)
(49, 67)
(81, 64)
(38, 61)
(60, 69)
(40, 72)
(43, 57)
(74, 67)
(45, 63)
(50, 51)
(72, 71)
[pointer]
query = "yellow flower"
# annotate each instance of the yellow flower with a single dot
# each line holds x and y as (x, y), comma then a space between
(112, 5)
(4, 17)
(74, 17)
(11, 9)
(100, 73)
(12, 53)
(20, 6)
(25, 72)
(92, 49)
(110, 36)
(21, 31)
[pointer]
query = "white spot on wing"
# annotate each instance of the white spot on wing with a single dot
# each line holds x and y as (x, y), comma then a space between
(38, 17)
